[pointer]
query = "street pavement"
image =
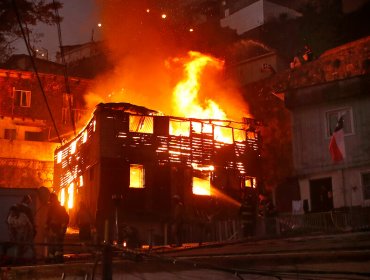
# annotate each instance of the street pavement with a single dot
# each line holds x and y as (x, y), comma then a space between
(338, 256)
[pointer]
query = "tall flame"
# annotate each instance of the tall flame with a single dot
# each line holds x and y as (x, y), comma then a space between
(196, 93)
(188, 103)
(186, 92)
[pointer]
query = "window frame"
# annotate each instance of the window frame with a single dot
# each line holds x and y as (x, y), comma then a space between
(339, 112)
(141, 124)
(252, 180)
(140, 167)
(200, 176)
(33, 136)
(24, 95)
(10, 133)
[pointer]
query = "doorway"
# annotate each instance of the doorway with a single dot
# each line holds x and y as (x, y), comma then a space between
(321, 195)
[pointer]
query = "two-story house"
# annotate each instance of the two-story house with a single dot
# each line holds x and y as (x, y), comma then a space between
(317, 95)
(32, 124)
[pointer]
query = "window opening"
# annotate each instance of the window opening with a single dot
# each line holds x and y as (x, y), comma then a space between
(22, 98)
(250, 182)
(332, 118)
(33, 136)
(143, 124)
(365, 178)
(137, 176)
(9, 133)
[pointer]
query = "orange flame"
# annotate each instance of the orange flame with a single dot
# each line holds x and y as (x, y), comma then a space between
(186, 92)
(193, 95)
(187, 101)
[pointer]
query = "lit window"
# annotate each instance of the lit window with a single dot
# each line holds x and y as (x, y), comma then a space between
(179, 128)
(207, 128)
(137, 176)
(196, 127)
(250, 182)
(332, 118)
(84, 137)
(59, 157)
(365, 178)
(143, 124)
(202, 184)
(62, 197)
(70, 195)
(22, 98)
(73, 147)
(200, 127)
(223, 134)
(239, 135)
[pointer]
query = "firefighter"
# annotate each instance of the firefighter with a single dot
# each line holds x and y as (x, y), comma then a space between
(24, 206)
(247, 214)
(20, 232)
(177, 220)
(84, 221)
(56, 226)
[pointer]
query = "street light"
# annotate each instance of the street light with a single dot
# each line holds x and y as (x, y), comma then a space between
(99, 24)
(42, 53)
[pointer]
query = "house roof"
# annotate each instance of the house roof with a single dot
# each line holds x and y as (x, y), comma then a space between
(23, 62)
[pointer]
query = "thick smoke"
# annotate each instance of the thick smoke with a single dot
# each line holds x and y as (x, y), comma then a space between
(143, 46)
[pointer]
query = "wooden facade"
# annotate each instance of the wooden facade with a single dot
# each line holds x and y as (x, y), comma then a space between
(98, 166)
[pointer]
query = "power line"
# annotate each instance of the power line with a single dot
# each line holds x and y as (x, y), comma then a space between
(35, 68)
(66, 80)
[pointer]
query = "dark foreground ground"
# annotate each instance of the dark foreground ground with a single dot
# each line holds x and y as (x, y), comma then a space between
(339, 256)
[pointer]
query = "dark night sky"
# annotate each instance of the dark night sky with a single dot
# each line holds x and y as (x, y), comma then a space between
(80, 17)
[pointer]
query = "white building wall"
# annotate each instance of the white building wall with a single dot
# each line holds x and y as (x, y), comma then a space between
(255, 15)
(84, 51)
(304, 188)
(249, 70)
(272, 10)
(346, 186)
(245, 19)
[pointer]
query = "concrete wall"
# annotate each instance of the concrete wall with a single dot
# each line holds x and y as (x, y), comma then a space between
(245, 19)
(34, 150)
(254, 15)
(250, 70)
(346, 185)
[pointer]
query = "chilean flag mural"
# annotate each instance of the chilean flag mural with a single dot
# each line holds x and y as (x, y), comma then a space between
(336, 146)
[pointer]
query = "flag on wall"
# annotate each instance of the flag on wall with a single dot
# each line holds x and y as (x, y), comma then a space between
(336, 146)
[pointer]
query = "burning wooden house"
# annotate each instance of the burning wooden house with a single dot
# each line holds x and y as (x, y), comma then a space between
(128, 162)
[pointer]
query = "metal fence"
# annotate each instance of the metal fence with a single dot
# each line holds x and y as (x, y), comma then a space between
(336, 221)
(346, 220)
